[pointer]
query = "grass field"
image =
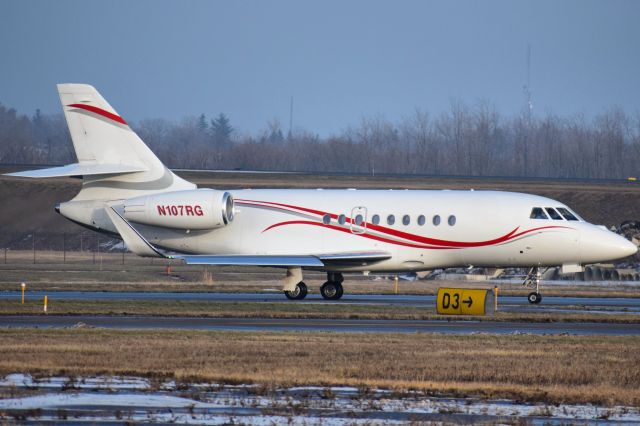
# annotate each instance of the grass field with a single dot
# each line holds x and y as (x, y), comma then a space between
(551, 369)
(285, 310)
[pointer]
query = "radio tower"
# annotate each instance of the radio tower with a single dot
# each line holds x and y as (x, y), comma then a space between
(527, 88)
(290, 119)
(528, 112)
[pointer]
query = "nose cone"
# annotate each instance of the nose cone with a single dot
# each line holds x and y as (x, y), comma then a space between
(599, 245)
(629, 248)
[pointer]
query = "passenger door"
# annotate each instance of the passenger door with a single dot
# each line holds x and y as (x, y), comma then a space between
(358, 223)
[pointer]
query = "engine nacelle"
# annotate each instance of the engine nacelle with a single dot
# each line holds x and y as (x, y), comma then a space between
(193, 209)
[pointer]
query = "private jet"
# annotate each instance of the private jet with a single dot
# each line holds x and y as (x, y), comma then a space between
(128, 193)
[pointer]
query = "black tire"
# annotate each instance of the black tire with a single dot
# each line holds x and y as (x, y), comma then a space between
(299, 293)
(534, 298)
(303, 290)
(340, 291)
(329, 290)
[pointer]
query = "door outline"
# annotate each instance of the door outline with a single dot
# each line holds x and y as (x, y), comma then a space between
(358, 229)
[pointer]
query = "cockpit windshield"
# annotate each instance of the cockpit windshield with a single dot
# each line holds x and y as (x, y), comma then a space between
(538, 213)
(567, 214)
(555, 213)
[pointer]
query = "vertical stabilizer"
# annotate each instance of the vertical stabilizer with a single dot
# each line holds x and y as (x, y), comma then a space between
(102, 137)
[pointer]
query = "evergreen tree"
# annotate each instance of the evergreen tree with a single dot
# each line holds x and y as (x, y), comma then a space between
(202, 123)
(221, 129)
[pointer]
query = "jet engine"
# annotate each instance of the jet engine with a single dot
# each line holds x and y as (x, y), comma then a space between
(192, 209)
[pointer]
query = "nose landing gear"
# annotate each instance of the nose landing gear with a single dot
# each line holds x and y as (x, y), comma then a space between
(534, 297)
(533, 280)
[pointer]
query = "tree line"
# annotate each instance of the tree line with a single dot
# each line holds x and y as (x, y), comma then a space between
(469, 140)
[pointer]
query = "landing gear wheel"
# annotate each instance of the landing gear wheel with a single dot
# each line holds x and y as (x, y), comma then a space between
(331, 290)
(533, 280)
(340, 291)
(534, 297)
(299, 293)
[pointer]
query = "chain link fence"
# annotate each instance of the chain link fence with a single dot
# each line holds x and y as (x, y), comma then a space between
(50, 247)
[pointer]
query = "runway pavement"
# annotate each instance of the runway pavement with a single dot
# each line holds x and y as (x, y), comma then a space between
(628, 306)
(506, 304)
(318, 325)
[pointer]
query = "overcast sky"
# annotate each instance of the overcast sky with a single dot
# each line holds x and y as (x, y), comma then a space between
(340, 60)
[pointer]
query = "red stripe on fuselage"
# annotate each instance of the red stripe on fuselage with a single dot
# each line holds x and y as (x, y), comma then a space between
(99, 111)
(401, 243)
(348, 231)
(426, 241)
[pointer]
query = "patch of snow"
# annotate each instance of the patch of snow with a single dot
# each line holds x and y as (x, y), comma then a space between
(62, 400)
(343, 404)
(100, 382)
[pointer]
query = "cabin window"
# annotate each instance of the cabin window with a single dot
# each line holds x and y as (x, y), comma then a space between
(342, 219)
(326, 219)
(391, 219)
(421, 220)
(553, 214)
(436, 220)
(537, 213)
(406, 220)
(567, 214)
(375, 219)
(451, 220)
(359, 220)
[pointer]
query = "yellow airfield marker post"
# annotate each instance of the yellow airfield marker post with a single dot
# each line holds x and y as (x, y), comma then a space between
(46, 299)
(23, 287)
(395, 284)
(495, 298)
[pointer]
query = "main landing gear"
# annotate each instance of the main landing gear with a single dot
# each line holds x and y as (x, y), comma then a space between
(533, 280)
(330, 290)
(299, 293)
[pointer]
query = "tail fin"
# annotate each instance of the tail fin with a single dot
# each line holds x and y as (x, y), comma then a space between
(114, 162)
(99, 134)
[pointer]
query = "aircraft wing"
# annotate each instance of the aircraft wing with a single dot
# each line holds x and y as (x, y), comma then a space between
(244, 260)
(140, 246)
(309, 261)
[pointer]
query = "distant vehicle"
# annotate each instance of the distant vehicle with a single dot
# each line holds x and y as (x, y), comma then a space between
(128, 192)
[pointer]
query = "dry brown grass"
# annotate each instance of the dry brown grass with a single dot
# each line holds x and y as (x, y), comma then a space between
(189, 308)
(552, 369)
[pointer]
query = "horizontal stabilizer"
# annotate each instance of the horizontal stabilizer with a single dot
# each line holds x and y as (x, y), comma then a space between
(82, 169)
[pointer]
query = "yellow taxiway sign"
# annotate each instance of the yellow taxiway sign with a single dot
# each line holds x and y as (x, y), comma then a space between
(462, 301)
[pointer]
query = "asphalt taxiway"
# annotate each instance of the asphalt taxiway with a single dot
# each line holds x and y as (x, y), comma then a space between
(628, 306)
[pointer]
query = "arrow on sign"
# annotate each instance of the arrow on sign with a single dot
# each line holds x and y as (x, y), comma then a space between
(469, 302)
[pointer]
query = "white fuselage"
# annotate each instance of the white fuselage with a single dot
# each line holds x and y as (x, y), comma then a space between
(480, 228)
